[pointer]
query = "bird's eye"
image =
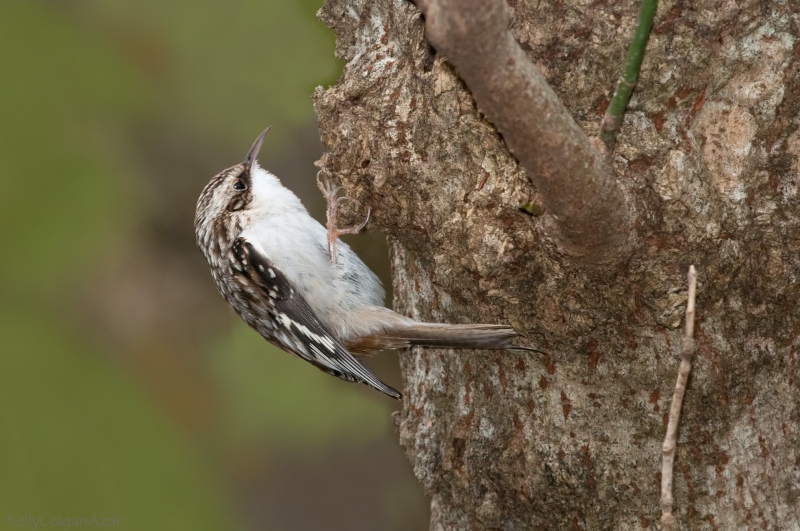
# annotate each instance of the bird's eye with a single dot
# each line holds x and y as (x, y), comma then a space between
(239, 186)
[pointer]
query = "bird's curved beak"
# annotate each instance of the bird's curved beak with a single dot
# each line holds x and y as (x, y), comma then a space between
(253, 153)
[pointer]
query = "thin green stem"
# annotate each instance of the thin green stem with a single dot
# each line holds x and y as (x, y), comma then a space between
(630, 74)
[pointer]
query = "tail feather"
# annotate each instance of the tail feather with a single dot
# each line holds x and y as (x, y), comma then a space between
(471, 336)
(456, 336)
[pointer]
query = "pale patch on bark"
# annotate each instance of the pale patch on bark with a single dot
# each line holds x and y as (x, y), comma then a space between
(671, 180)
(727, 132)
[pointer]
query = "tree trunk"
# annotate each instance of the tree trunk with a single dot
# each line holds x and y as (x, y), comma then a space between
(707, 158)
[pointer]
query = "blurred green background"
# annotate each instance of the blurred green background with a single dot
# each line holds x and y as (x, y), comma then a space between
(128, 388)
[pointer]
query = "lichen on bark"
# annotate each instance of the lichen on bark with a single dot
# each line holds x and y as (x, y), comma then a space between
(708, 156)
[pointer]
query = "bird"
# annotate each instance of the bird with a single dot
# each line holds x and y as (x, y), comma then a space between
(284, 274)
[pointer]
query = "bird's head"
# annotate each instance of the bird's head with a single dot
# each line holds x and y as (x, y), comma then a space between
(225, 200)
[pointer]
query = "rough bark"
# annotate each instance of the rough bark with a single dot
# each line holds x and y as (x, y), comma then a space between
(578, 188)
(709, 157)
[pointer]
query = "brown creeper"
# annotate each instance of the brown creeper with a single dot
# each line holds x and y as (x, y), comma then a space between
(270, 260)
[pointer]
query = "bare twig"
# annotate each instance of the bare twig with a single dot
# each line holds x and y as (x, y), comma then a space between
(630, 74)
(668, 522)
(580, 191)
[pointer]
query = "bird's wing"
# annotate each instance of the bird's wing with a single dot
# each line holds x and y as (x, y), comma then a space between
(299, 330)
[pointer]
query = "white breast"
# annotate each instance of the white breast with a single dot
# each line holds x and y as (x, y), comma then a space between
(297, 244)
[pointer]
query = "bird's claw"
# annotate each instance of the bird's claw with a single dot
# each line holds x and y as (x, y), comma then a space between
(330, 193)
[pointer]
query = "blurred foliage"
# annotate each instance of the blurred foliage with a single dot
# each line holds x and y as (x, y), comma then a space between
(83, 81)
(59, 198)
(79, 440)
(279, 399)
(228, 69)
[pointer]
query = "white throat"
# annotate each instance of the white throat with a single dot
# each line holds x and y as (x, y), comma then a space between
(270, 197)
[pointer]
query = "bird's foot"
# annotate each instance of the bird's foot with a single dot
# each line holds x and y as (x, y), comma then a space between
(330, 192)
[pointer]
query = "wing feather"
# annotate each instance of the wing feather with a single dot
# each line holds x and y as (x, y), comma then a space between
(302, 332)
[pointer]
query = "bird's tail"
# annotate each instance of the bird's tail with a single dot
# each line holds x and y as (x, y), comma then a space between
(472, 336)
